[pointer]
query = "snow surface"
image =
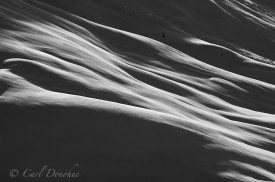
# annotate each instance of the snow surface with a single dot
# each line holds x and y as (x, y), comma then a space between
(97, 84)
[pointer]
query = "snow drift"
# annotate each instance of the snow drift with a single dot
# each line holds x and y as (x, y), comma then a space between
(96, 84)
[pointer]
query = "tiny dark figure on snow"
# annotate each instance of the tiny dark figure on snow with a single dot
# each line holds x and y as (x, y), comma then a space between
(163, 35)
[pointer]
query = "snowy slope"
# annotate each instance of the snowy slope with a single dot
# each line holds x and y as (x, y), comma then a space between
(96, 84)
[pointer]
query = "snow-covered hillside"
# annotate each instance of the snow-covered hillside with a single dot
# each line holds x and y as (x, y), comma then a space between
(94, 82)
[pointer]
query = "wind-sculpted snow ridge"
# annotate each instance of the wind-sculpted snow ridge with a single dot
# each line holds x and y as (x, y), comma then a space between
(124, 106)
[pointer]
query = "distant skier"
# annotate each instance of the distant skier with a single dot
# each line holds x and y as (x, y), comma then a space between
(163, 35)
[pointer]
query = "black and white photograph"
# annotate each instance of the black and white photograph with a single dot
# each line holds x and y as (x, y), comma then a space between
(137, 90)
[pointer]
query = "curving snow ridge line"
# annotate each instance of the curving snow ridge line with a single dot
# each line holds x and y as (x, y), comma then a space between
(81, 90)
